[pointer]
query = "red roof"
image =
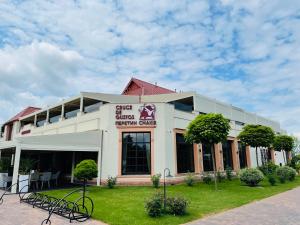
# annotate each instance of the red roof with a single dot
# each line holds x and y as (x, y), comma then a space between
(24, 112)
(139, 87)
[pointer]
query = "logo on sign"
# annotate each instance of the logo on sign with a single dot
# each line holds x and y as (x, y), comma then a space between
(147, 112)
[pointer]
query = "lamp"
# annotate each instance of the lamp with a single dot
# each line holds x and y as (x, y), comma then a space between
(165, 191)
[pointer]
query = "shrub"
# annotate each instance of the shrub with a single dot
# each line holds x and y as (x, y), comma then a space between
(111, 182)
(220, 176)
(207, 179)
(86, 170)
(297, 167)
(156, 180)
(229, 174)
(176, 205)
(272, 179)
(268, 168)
(251, 176)
(154, 205)
(291, 174)
(286, 173)
(190, 179)
(295, 162)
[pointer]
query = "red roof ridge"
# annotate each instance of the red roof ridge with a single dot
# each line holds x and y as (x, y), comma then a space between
(28, 110)
(145, 88)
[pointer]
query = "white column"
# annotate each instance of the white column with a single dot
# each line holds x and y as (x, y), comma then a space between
(73, 167)
(62, 115)
(47, 118)
(81, 107)
(81, 104)
(35, 119)
(16, 168)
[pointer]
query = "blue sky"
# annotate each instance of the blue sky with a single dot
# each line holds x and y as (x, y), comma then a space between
(246, 53)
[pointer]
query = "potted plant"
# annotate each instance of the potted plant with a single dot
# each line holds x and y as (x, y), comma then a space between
(85, 170)
(4, 167)
(24, 173)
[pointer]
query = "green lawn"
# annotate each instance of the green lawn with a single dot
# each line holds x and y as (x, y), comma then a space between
(125, 205)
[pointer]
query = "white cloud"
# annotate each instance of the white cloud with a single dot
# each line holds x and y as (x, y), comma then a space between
(242, 52)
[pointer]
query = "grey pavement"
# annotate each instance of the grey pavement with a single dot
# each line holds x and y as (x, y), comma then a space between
(12, 212)
(281, 209)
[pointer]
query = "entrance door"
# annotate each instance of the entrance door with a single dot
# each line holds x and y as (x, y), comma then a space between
(207, 158)
(242, 155)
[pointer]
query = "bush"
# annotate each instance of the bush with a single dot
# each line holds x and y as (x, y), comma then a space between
(156, 180)
(86, 170)
(268, 168)
(229, 174)
(286, 173)
(272, 179)
(111, 182)
(176, 205)
(251, 176)
(190, 179)
(220, 176)
(207, 179)
(291, 174)
(295, 162)
(154, 206)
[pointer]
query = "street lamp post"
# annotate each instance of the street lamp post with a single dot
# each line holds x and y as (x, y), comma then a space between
(165, 191)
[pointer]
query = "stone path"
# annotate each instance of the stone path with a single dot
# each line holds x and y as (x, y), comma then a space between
(12, 212)
(281, 209)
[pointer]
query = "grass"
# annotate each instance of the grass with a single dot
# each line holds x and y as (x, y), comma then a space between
(125, 205)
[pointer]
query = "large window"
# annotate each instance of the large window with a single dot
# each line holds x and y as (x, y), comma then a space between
(136, 153)
(227, 154)
(207, 157)
(185, 155)
(242, 155)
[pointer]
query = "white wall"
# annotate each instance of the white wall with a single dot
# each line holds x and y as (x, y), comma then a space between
(280, 157)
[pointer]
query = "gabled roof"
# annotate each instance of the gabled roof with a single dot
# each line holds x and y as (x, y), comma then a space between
(24, 112)
(139, 87)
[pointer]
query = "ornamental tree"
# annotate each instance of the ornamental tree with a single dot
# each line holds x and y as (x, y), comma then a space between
(86, 170)
(257, 136)
(283, 142)
(208, 129)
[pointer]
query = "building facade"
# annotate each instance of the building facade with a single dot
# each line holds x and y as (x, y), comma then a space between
(132, 136)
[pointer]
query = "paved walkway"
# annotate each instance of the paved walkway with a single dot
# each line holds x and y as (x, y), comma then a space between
(12, 212)
(281, 209)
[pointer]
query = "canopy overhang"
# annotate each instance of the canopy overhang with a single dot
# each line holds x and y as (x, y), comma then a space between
(81, 141)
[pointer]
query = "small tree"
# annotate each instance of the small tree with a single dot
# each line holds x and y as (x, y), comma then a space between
(283, 142)
(208, 129)
(85, 170)
(257, 136)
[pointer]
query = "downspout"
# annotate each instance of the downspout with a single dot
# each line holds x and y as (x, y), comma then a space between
(101, 155)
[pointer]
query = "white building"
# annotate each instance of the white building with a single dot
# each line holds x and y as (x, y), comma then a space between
(131, 136)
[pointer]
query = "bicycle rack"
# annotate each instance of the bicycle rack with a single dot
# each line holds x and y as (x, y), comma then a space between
(7, 190)
(80, 210)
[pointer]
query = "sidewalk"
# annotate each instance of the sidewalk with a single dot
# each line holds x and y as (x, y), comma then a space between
(281, 209)
(12, 212)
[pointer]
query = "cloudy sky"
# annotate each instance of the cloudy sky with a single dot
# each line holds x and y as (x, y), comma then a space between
(246, 53)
